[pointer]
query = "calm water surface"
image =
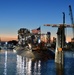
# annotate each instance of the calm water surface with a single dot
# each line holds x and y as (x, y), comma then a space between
(13, 64)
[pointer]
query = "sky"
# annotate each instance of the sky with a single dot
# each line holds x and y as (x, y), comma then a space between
(31, 14)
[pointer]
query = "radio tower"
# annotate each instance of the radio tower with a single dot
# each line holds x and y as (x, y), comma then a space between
(72, 21)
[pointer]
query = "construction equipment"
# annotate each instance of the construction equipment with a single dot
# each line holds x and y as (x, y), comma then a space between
(59, 25)
(71, 16)
(60, 40)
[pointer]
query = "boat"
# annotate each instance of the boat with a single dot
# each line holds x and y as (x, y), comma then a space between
(30, 45)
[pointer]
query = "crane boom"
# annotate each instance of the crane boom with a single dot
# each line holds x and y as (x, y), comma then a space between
(71, 15)
(59, 25)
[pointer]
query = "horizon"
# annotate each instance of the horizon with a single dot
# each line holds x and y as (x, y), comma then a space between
(16, 38)
(31, 14)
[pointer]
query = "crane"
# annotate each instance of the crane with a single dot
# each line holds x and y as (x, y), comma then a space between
(61, 30)
(60, 41)
(71, 16)
(58, 25)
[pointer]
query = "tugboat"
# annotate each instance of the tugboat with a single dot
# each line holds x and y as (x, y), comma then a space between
(30, 45)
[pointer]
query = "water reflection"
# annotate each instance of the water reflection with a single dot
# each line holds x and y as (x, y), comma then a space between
(36, 67)
(59, 69)
(5, 64)
(27, 66)
(30, 66)
(13, 64)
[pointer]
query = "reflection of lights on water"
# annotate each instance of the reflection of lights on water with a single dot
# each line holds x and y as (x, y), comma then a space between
(28, 66)
(5, 64)
(20, 65)
(37, 68)
(39, 63)
(25, 67)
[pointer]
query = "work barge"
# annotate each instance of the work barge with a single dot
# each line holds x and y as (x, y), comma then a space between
(30, 45)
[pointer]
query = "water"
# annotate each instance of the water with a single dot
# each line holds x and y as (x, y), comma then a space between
(69, 63)
(13, 64)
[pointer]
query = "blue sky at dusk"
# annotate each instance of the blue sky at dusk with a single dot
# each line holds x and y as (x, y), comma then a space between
(16, 14)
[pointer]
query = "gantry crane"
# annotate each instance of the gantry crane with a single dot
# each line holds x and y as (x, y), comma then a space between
(60, 40)
(61, 30)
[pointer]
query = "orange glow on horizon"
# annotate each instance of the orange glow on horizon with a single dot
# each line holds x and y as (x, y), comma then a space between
(8, 38)
(68, 39)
